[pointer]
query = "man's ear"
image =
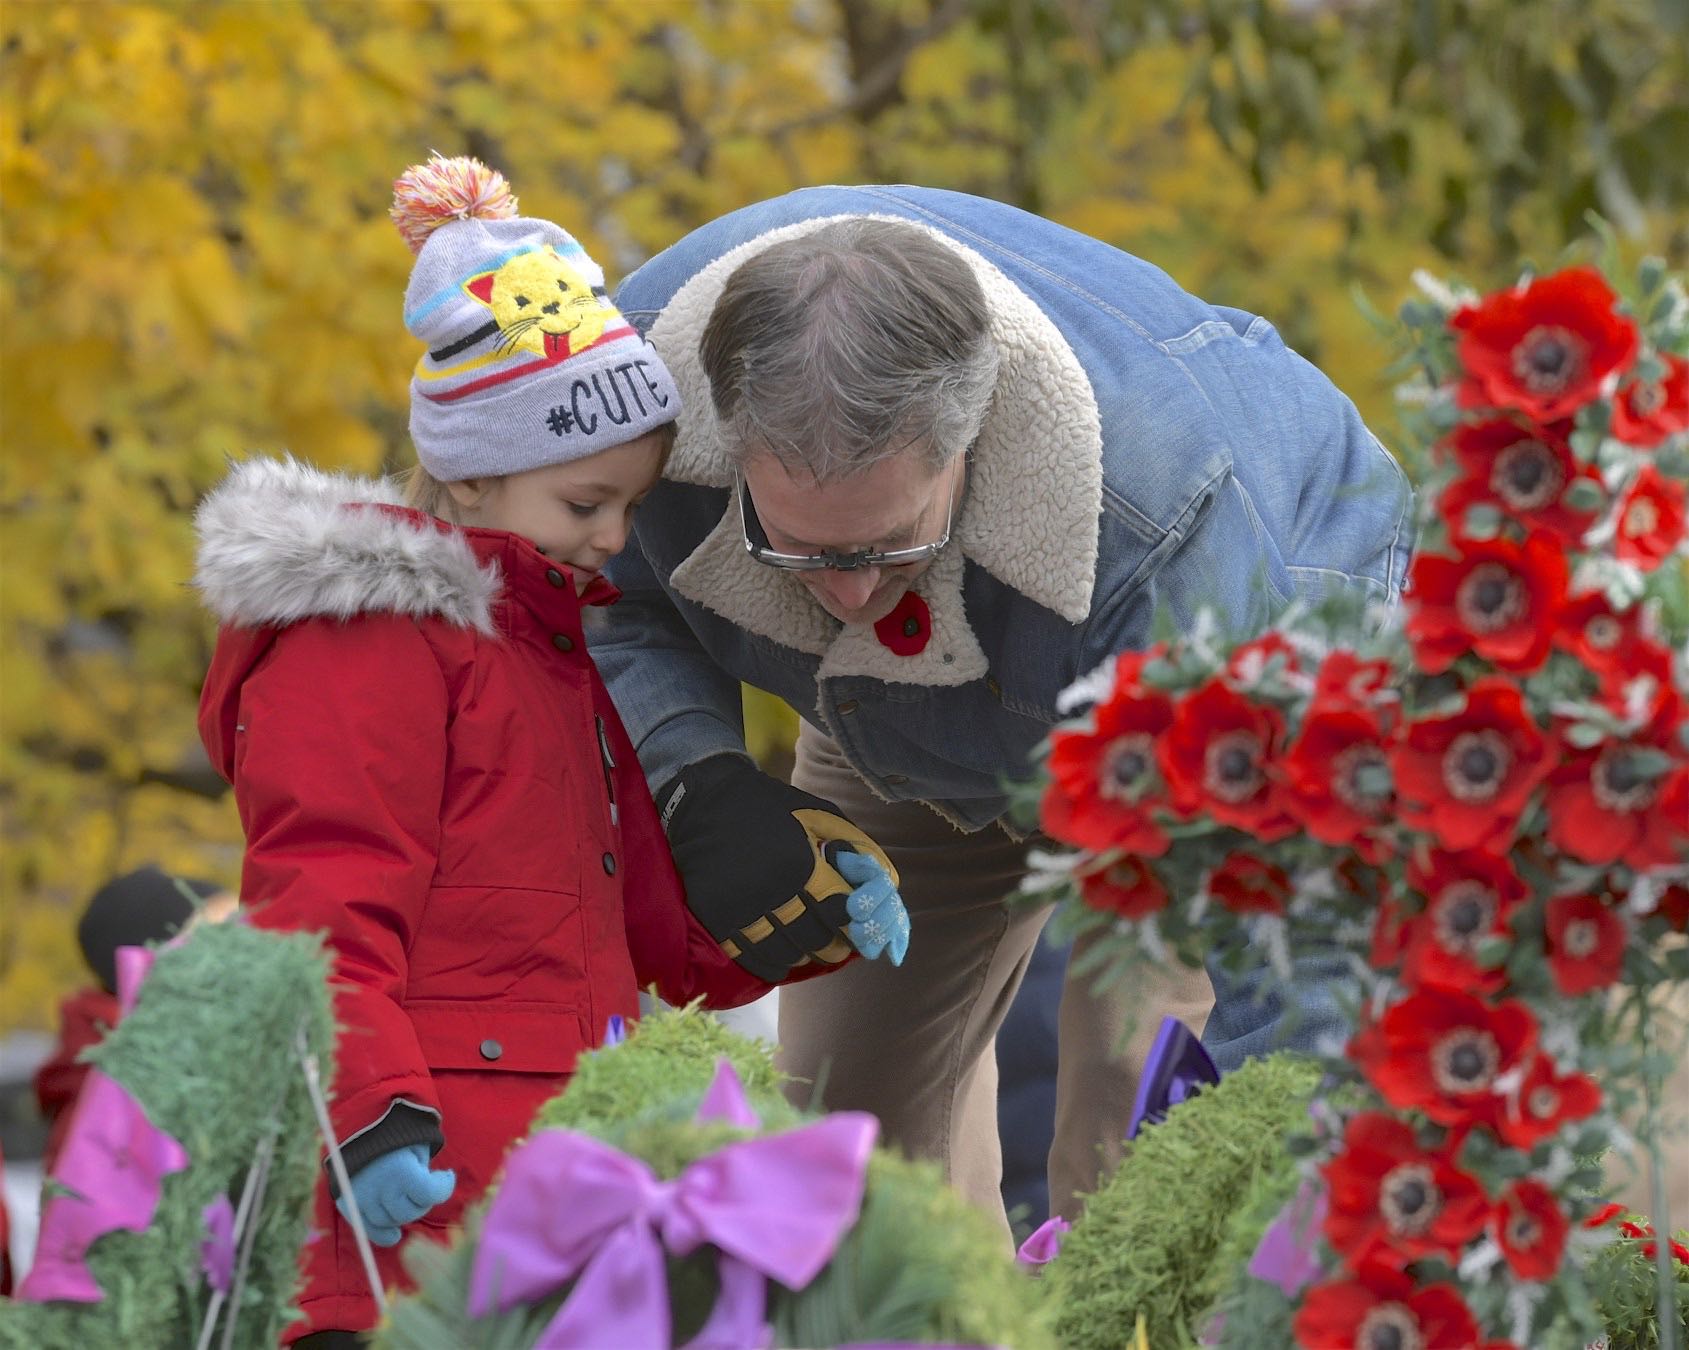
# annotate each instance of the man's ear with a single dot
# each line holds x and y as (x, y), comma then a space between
(468, 492)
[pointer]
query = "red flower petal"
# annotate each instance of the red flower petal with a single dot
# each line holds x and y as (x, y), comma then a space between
(1586, 941)
(1531, 1229)
(1496, 598)
(1543, 348)
(1645, 414)
(1651, 520)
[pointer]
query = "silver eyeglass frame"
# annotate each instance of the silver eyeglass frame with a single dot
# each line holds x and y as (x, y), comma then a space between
(831, 560)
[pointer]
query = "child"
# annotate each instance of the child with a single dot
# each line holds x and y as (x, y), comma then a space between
(427, 765)
(146, 905)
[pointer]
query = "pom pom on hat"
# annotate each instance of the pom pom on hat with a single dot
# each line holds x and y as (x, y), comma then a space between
(426, 196)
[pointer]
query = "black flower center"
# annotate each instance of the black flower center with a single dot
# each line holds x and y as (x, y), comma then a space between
(1581, 938)
(1475, 765)
(1603, 632)
(1409, 1200)
(1465, 1060)
(1389, 1326)
(1360, 776)
(1126, 763)
(1523, 1231)
(1527, 476)
(1549, 359)
(1232, 766)
(1618, 782)
(1543, 1103)
(1490, 597)
(1462, 913)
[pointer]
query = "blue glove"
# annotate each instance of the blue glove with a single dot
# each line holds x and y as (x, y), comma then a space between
(396, 1189)
(878, 920)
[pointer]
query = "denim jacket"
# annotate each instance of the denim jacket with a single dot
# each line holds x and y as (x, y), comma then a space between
(1145, 453)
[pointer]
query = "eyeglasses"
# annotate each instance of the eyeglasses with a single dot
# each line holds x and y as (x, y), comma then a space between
(830, 560)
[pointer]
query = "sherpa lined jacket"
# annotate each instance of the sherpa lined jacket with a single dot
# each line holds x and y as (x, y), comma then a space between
(430, 771)
(1145, 451)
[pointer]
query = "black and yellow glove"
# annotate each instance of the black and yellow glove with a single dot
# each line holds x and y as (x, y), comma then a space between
(759, 860)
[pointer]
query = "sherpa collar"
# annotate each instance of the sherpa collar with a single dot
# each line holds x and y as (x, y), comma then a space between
(280, 541)
(1030, 517)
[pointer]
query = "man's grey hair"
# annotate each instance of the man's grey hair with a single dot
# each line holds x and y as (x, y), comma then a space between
(848, 345)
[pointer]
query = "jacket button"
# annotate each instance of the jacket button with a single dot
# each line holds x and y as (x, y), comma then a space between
(847, 707)
(563, 642)
(554, 576)
(609, 864)
(491, 1049)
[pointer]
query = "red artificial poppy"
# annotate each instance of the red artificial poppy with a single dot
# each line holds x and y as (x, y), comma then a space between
(1650, 1250)
(1530, 1229)
(1544, 1101)
(1393, 1202)
(1346, 681)
(1523, 473)
(1383, 1311)
(1645, 414)
(1469, 897)
(1606, 641)
(1464, 779)
(907, 628)
(1442, 1052)
(1586, 940)
(1495, 597)
(1651, 516)
(1625, 800)
(1605, 1215)
(1218, 760)
(1127, 887)
(1250, 659)
(1544, 347)
(1105, 787)
(1246, 885)
(1337, 778)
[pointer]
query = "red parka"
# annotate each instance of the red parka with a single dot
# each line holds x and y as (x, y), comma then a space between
(429, 770)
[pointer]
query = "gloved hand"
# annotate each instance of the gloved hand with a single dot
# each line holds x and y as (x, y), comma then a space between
(396, 1189)
(878, 920)
(761, 862)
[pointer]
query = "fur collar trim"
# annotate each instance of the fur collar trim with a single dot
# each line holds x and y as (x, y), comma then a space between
(1030, 519)
(277, 544)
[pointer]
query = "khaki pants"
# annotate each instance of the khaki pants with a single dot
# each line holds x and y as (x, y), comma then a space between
(915, 1044)
(1627, 1176)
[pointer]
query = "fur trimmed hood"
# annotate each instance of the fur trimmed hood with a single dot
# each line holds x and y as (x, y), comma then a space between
(1030, 521)
(280, 541)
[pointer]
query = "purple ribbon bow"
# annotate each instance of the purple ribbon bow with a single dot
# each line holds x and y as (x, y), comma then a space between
(1176, 1069)
(570, 1205)
(113, 1163)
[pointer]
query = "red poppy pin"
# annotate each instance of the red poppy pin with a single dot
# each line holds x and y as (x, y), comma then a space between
(906, 629)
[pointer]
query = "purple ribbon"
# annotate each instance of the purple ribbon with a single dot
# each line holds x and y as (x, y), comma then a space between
(113, 1163)
(1286, 1254)
(1045, 1243)
(1177, 1068)
(572, 1206)
(217, 1251)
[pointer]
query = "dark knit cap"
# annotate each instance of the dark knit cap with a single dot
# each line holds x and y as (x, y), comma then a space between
(142, 906)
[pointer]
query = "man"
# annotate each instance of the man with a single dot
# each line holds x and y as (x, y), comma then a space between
(940, 458)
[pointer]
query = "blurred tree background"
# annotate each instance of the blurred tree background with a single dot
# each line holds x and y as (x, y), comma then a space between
(197, 261)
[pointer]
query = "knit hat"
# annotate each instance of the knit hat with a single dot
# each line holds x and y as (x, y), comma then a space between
(528, 362)
(146, 905)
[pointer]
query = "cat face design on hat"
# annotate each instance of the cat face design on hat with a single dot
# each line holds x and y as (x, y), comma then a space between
(540, 303)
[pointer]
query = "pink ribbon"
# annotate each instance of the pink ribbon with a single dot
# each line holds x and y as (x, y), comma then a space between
(113, 1164)
(570, 1205)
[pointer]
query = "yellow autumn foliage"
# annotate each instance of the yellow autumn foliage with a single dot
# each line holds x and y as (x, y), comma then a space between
(197, 265)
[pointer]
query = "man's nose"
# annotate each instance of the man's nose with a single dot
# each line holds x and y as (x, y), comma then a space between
(850, 590)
